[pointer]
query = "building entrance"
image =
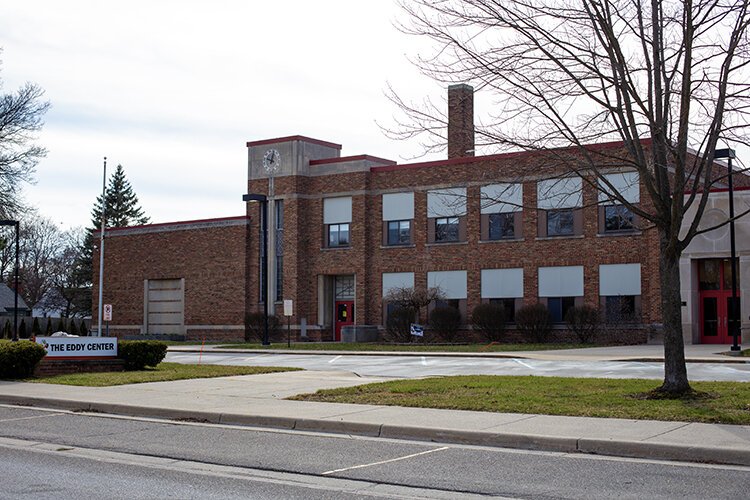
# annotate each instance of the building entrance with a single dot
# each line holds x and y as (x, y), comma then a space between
(343, 304)
(719, 313)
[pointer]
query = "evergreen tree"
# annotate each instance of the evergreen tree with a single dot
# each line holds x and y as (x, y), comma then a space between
(72, 329)
(121, 209)
(60, 325)
(7, 330)
(84, 331)
(48, 328)
(36, 330)
(22, 330)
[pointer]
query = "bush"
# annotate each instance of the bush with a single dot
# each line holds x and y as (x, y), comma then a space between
(48, 328)
(72, 327)
(84, 331)
(22, 333)
(534, 322)
(18, 359)
(584, 322)
(60, 326)
(398, 325)
(489, 320)
(7, 331)
(446, 320)
(139, 354)
(36, 331)
(254, 325)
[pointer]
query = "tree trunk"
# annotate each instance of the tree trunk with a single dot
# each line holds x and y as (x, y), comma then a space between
(675, 371)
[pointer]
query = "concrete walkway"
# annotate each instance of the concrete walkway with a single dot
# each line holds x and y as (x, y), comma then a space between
(257, 400)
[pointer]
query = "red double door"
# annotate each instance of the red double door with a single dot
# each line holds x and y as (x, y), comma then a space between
(719, 312)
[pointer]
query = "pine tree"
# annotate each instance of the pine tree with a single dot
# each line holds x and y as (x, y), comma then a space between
(84, 331)
(48, 328)
(22, 330)
(60, 325)
(72, 329)
(122, 209)
(7, 331)
(36, 330)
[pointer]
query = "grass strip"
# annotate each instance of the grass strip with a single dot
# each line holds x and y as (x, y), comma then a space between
(162, 373)
(364, 346)
(716, 402)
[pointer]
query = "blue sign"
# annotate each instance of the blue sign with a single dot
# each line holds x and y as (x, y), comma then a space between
(417, 330)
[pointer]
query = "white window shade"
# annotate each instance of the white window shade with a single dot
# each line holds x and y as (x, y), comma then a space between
(619, 279)
(397, 280)
(502, 283)
(337, 210)
(554, 194)
(451, 283)
(624, 183)
(398, 206)
(499, 198)
(564, 281)
(449, 202)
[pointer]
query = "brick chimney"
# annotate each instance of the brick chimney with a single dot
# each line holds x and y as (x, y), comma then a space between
(460, 120)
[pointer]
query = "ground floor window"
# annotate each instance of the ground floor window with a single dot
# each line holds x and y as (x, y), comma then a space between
(559, 306)
(509, 306)
(620, 308)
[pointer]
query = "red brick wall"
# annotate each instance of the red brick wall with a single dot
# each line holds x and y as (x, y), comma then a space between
(211, 259)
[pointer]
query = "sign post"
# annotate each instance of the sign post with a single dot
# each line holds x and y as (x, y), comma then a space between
(288, 313)
(107, 315)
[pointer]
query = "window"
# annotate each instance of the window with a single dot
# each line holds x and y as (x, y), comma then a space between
(558, 307)
(399, 232)
(618, 218)
(560, 223)
(446, 229)
(454, 303)
(620, 308)
(502, 226)
(509, 306)
(338, 235)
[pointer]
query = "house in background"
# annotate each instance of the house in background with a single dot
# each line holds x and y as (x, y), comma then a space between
(512, 228)
(7, 304)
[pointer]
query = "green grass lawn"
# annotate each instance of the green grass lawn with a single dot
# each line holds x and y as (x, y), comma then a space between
(163, 372)
(365, 346)
(720, 402)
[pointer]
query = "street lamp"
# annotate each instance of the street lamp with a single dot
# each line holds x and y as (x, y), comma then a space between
(15, 295)
(729, 154)
(263, 200)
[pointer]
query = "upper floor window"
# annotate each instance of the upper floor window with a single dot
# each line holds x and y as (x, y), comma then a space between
(398, 212)
(560, 202)
(501, 206)
(615, 190)
(337, 215)
(446, 215)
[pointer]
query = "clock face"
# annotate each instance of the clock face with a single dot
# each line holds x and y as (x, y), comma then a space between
(271, 160)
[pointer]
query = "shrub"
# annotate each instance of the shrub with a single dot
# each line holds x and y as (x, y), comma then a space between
(398, 325)
(48, 328)
(84, 331)
(36, 330)
(446, 320)
(534, 322)
(584, 322)
(7, 331)
(254, 325)
(139, 354)
(72, 327)
(22, 333)
(489, 320)
(18, 359)
(60, 326)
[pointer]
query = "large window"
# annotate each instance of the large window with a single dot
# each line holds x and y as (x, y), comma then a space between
(560, 288)
(614, 189)
(446, 214)
(338, 235)
(559, 307)
(620, 291)
(503, 287)
(501, 209)
(509, 308)
(452, 284)
(337, 215)
(399, 232)
(446, 229)
(398, 213)
(560, 202)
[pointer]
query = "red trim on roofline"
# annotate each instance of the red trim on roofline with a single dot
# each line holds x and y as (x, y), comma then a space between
(294, 138)
(343, 159)
(176, 223)
(513, 154)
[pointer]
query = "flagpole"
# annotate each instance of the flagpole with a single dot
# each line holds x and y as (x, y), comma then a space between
(101, 249)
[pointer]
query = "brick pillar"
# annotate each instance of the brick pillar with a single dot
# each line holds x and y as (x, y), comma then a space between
(460, 120)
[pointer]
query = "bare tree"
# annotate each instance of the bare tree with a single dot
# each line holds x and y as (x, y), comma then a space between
(40, 242)
(414, 299)
(667, 78)
(20, 119)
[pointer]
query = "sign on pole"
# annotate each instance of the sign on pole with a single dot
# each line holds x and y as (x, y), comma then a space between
(417, 330)
(288, 307)
(107, 316)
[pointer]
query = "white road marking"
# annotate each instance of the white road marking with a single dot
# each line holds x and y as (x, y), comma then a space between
(424, 361)
(386, 461)
(29, 418)
(334, 359)
(522, 363)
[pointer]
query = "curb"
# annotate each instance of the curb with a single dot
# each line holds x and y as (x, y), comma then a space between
(617, 448)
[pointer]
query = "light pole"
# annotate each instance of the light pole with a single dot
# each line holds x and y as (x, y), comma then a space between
(101, 249)
(729, 154)
(263, 199)
(15, 295)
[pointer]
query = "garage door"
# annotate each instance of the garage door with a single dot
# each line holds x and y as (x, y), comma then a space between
(165, 306)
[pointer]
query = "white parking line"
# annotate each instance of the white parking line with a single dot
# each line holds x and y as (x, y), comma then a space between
(424, 361)
(385, 461)
(334, 359)
(29, 418)
(522, 363)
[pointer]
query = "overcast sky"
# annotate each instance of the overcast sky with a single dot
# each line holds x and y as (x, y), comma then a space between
(173, 90)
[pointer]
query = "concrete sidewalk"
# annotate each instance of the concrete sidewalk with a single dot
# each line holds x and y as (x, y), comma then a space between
(257, 400)
(694, 353)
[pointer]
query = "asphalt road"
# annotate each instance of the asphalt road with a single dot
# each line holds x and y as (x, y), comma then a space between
(424, 366)
(97, 456)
